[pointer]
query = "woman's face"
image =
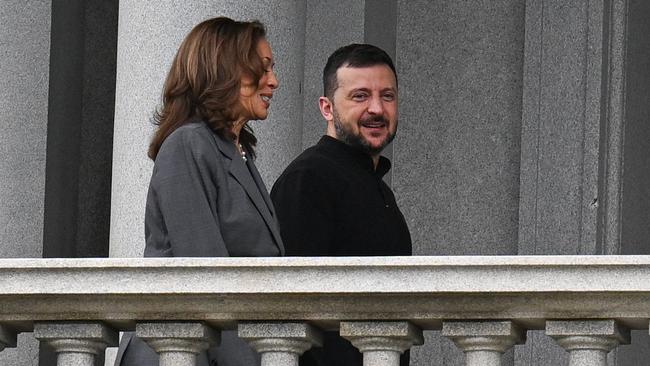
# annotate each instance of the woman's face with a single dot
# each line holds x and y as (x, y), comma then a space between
(256, 99)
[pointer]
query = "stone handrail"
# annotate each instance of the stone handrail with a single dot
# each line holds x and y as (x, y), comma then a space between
(280, 305)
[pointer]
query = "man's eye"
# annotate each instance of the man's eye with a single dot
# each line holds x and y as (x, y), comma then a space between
(389, 97)
(359, 97)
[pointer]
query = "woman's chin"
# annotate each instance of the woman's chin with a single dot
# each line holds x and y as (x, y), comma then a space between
(262, 116)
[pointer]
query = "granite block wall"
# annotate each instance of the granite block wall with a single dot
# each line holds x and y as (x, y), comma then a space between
(456, 155)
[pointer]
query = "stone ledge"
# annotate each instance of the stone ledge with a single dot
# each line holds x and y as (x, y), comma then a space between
(422, 290)
(465, 274)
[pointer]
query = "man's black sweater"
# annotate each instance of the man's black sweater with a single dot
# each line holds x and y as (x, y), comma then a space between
(331, 201)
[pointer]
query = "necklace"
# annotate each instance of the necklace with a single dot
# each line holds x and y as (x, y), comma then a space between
(242, 152)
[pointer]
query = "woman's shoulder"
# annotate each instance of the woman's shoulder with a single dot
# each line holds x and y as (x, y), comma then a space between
(192, 138)
(191, 130)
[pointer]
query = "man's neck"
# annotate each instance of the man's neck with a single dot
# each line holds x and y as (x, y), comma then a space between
(375, 160)
(332, 133)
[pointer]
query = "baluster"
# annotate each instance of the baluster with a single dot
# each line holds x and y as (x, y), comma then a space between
(280, 344)
(76, 344)
(483, 342)
(381, 343)
(178, 344)
(587, 341)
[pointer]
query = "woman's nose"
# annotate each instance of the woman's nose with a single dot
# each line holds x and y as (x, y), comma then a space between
(273, 80)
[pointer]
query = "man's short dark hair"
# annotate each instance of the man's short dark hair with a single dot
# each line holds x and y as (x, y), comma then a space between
(353, 55)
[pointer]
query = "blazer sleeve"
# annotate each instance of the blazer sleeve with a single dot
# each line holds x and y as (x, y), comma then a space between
(181, 218)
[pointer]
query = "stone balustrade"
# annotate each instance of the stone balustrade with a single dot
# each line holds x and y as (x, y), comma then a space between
(588, 304)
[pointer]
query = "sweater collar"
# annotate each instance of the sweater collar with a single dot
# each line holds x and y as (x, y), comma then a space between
(351, 155)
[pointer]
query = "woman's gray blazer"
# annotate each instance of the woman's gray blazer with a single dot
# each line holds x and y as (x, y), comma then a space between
(204, 200)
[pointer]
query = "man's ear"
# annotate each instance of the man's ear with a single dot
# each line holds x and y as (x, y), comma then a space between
(326, 108)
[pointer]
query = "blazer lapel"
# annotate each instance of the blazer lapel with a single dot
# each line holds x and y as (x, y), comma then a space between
(271, 221)
(240, 172)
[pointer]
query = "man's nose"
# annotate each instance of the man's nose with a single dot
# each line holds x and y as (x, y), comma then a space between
(375, 106)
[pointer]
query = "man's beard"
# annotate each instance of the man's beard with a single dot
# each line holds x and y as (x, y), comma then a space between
(357, 140)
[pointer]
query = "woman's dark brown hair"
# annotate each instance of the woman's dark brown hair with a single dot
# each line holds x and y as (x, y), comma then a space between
(204, 80)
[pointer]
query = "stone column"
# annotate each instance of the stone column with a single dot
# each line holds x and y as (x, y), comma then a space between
(7, 338)
(146, 47)
(483, 341)
(564, 121)
(178, 344)
(280, 344)
(24, 76)
(381, 343)
(588, 341)
(76, 344)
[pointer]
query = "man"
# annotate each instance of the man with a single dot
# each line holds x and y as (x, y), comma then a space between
(331, 200)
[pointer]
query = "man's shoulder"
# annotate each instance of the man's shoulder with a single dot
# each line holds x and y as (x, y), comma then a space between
(313, 167)
(317, 153)
(314, 159)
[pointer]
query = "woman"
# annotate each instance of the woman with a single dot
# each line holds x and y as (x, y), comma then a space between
(206, 198)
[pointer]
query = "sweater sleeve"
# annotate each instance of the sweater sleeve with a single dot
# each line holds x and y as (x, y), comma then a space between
(181, 218)
(306, 213)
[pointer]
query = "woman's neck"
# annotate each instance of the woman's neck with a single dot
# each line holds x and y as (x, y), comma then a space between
(236, 129)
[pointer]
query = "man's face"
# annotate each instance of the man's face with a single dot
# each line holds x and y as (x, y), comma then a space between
(363, 112)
